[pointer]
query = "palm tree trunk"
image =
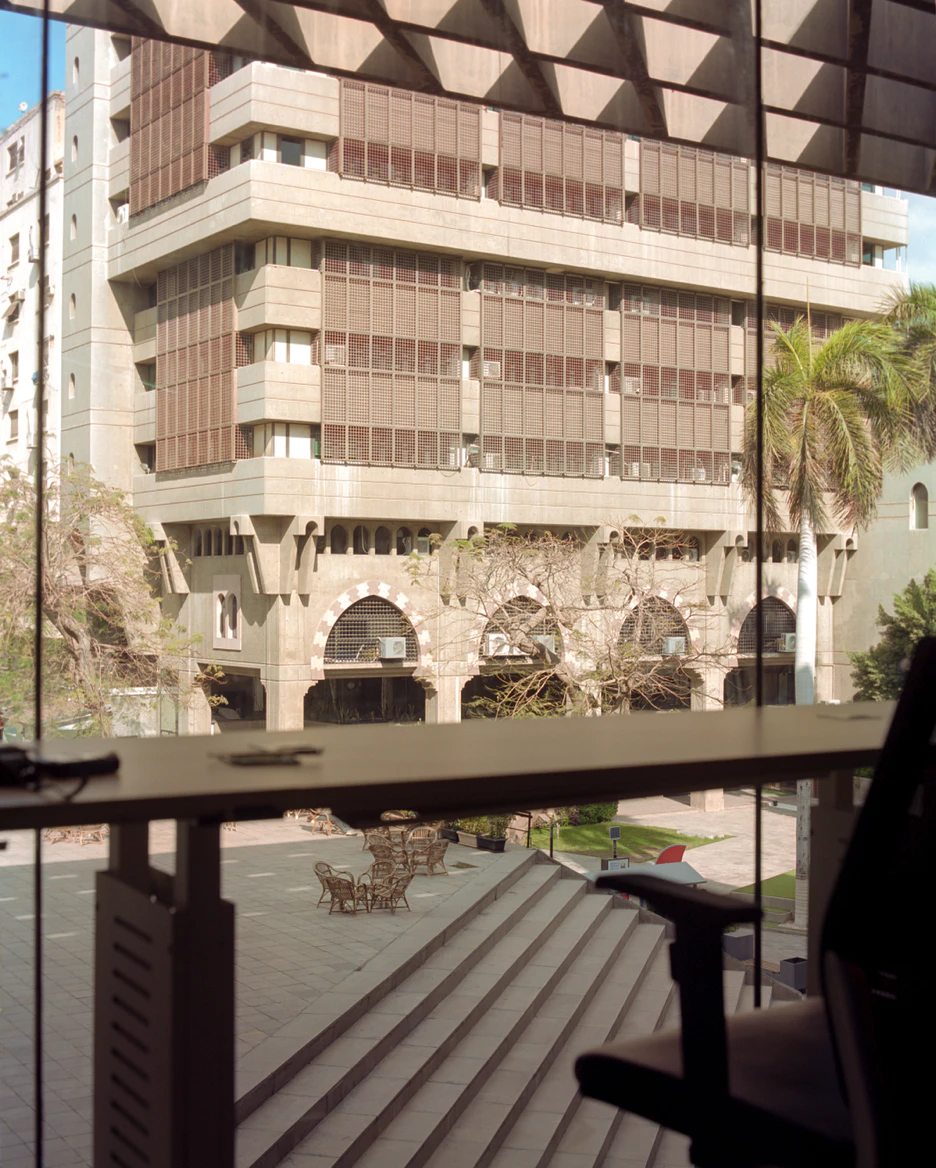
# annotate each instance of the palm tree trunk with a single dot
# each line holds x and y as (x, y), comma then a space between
(807, 614)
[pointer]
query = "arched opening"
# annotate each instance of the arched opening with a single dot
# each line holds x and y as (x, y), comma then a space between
(361, 540)
(473, 533)
(404, 541)
(218, 542)
(228, 544)
(776, 552)
(424, 542)
(512, 633)
(73, 227)
(351, 700)
(232, 615)
(779, 628)
(382, 541)
(687, 549)
(655, 627)
(238, 545)
(792, 551)
(364, 631)
(196, 543)
(221, 616)
(338, 540)
(919, 508)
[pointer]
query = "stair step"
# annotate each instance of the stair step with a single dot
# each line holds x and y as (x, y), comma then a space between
(475, 1093)
(518, 922)
(351, 1121)
(593, 1127)
(672, 1151)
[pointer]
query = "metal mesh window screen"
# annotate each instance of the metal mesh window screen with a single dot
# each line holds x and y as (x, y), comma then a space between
(812, 215)
(675, 386)
(390, 349)
(779, 621)
(560, 167)
(823, 324)
(356, 634)
(649, 623)
(514, 624)
(195, 362)
(168, 120)
(691, 192)
(404, 139)
(542, 370)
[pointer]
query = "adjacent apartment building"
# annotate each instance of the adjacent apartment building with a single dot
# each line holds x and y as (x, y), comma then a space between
(321, 327)
(21, 236)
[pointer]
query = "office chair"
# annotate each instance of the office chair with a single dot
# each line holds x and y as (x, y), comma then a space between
(837, 1080)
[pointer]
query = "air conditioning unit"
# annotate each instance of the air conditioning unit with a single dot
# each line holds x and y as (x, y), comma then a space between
(33, 253)
(492, 460)
(492, 369)
(788, 643)
(547, 640)
(646, 471)
(698, 474)
(336, 354)
(498, 645)
(631, 385)
(634, 470)
(123, 213)
(393, 648)
(674, 646)
(423, 546)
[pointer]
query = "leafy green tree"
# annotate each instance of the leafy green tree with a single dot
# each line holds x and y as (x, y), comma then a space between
(878, 674)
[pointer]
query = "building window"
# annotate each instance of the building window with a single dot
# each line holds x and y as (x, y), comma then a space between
(146, 453)
(14, 367)
(71, 386)
(560, 167)
(404, 541)
(361, 540)
(227, 612)
(13, 430)
(404, 139)
(338, 540)
(290, 151)
(73, 227)
(655, 627)
(779, 628)
(288, 346)
(919, 508)
(382, 541)
(695, 193)
(14, 249)
(515, 627)
(285, 252)
(812, 215)
(542, 372)
(12, 155)
(361, 632)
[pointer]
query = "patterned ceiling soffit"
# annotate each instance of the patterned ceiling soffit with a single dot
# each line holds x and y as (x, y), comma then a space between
(848, 84)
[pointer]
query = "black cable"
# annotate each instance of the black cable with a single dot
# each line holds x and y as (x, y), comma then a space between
(44, 234)
(759, 153)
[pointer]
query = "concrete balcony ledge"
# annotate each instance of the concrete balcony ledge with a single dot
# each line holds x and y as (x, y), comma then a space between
(279, 297)
(273, 391)
(270, 97)
(119, 172)
(885, 219)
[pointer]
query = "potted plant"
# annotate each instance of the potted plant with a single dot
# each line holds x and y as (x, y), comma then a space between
(469, 830)
(495, 837)
(449, 831)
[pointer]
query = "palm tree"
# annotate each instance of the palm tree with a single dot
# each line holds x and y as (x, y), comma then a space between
(836, 413)
(911, 313)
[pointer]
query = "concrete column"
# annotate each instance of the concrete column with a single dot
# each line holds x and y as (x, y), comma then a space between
(443, 700)
(708, 694)
(193, 712)
(284, 703)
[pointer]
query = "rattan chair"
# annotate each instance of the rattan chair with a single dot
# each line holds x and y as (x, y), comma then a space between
(347, 894)
(421, 834)
(321, 820)
(431, 854)
(382, 848)
(390, 892)
(323, 871)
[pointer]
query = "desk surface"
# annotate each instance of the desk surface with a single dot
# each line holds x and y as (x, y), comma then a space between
(443, 771)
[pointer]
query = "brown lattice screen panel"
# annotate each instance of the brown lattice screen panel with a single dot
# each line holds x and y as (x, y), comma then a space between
(405, 139)
(685, 191)
(823, 324)
(675, 386)
(649, 622)
(355, 635)
(390, 350)
(778, 621)
(812, 215)
(560, 167)
(168, 120)
(542, 370)
(195, 361)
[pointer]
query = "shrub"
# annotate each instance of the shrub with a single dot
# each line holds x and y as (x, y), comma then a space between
(497, 826)
(476, 825)
(597, 812)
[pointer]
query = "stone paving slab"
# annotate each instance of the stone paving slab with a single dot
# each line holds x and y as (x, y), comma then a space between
(289, 954)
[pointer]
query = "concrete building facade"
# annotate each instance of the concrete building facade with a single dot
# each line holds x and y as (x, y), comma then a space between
(20, 240)
(326, 330)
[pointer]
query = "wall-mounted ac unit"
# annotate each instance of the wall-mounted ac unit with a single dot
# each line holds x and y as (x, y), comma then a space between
(547, 640)
(423, 546)
(698, 474)
(788, 643)
(393, 648)
(336, 354)
(492, 460)
(33, 253)
(674, 646)
(646, 471)
(498, 645)
(631, 385)
(123, 213)
(492, 369)
(634, 470)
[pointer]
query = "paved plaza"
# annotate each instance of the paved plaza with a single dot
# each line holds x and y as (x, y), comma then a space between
(288, 953)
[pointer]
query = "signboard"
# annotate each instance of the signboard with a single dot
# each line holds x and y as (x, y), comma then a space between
(617, 865)
(614, 832)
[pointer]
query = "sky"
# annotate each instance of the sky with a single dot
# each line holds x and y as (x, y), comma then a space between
(19, 81)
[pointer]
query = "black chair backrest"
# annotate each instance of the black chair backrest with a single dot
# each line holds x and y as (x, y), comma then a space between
(876, 935)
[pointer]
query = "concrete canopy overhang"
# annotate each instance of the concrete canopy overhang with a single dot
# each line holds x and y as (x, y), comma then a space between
(848, 84)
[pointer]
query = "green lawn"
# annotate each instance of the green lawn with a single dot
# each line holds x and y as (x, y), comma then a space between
(782, 885)
(638, 842)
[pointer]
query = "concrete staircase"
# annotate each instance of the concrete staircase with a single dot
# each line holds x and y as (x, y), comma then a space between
(461, 1055)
